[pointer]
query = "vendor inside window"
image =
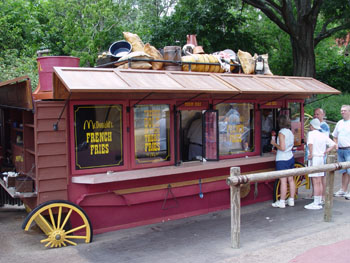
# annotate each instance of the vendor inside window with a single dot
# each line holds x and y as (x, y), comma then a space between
(266, 129)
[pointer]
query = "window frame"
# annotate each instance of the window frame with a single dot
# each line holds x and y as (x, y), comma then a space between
(256, 130)
(133, 163)
(301, 101)
(125, 151)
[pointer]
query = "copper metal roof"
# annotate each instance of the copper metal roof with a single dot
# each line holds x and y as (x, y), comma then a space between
(75, 80)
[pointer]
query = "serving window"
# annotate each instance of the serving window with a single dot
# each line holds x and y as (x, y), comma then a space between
(296, 121)
(97, 136)
(151, 130)
(236, 128)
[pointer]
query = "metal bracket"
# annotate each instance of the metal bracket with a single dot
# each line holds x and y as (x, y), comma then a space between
(55, 125)
(166, 198)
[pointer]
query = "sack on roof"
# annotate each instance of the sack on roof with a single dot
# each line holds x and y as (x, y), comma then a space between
(135, 41)
(155, 54)
(247, 62)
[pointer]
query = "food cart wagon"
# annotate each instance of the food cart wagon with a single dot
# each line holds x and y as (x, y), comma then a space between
(108, 149)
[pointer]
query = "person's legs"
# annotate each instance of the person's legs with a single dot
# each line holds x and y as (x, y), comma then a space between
(283, 188)
(291, 186)
(345, 178)
(318, 189)
(323, 187)
(345, 182)
(317, 183)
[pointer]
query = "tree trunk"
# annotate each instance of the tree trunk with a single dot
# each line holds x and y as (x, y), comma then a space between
(304, 63)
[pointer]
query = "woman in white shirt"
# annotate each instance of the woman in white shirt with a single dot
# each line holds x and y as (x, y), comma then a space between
(284, 160)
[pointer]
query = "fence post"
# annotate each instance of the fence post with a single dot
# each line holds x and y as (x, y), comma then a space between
(235, 209)
(329, 191)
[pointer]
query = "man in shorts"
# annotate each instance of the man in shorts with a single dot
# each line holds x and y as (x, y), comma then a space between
(341, 136)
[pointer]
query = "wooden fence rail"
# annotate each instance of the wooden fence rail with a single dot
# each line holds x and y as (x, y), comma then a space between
(236, 178)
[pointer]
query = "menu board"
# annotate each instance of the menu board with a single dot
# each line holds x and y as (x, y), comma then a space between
(98, 136)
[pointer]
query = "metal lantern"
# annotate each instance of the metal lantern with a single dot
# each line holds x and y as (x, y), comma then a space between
(259, 65)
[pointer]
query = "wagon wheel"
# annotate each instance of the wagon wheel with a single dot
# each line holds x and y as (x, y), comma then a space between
(299, 180)
(54, 217)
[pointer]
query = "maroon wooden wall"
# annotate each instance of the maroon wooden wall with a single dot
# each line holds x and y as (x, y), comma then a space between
(51, 151)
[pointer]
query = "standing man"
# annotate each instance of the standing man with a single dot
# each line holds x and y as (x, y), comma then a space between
(320, 115)
(266, 128)
(341, 136)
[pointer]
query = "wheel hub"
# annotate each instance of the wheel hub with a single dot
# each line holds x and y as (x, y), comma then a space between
(57, 236)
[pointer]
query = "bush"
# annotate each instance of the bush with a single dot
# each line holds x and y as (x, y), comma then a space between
(330, 104)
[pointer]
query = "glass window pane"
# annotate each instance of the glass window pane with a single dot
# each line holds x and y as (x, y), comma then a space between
(210, 135)
(152, 133)
(236, 128)
(98, 136)
(295, 112)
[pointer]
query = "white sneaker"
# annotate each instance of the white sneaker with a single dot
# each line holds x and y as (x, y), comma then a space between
(347, 196)
(290, 202)
(339, 193)
(313, 206)
(279, 204)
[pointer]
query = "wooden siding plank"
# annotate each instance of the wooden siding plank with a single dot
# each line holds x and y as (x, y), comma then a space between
(50, 112)
(52, 185)
(51, 149)
(50, 173)
(47, 124)
(52, 161)
(55, 195)
(51, 137)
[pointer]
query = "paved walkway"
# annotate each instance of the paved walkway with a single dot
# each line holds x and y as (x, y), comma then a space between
(268, 235)
(337, 252)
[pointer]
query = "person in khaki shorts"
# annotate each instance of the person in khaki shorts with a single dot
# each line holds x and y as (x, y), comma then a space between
(341, 136)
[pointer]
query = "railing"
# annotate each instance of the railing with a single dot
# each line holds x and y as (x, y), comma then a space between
(236, 179)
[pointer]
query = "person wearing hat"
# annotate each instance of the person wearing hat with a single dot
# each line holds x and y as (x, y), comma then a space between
(317, 143)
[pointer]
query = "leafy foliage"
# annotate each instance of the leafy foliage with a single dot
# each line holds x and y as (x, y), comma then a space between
(331, 105)
(333, 67)
(83, 28)
(217, 25)
(299, 19)
(12, 66)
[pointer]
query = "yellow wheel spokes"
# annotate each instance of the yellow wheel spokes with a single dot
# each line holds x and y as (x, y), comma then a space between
(52, 219)
(299, 180)
(66, 219)
(57, 236)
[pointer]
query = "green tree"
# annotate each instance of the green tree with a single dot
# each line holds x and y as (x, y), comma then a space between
(216, 23)
(83, 28)
(13, 65)
(19, 28)
(299, 19)
(333, 67)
